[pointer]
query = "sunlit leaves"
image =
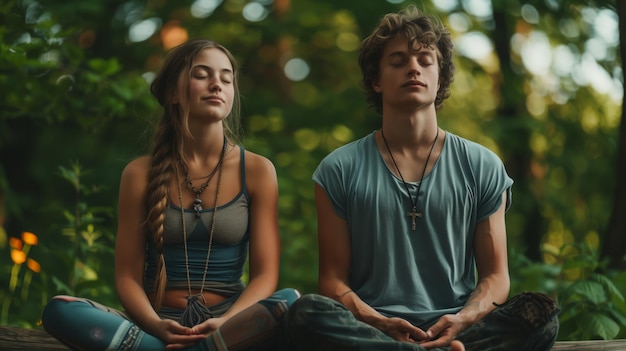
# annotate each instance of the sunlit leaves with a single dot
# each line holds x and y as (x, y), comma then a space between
(307, 139)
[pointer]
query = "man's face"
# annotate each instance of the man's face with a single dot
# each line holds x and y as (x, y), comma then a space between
(409, 76)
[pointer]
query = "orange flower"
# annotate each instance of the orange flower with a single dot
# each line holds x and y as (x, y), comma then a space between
(33, 265)
(16, 243)
(30, 238)
(18, 256)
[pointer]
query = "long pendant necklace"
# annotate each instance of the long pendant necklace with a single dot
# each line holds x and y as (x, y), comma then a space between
(197, 202)
(413, 212)
(196, 312)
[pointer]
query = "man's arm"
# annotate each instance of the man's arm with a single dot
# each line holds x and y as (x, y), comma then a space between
(492, 264)
(493, 280)
(335, 255)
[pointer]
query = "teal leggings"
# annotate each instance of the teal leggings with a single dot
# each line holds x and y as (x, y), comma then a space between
(86, 325)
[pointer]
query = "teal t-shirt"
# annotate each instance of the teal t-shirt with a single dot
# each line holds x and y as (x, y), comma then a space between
(422, 274)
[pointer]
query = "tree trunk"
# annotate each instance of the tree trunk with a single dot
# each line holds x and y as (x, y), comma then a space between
(514, 136)
(614, 247)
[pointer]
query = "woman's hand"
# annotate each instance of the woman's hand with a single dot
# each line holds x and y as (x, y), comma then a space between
(174, 335)
(209, 326)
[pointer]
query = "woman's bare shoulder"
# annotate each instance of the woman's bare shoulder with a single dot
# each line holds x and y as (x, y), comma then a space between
(259, 165)
(137, 168)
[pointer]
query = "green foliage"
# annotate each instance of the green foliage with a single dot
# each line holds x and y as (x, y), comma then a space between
(91, 248)
(77, 263)
(592, 305)
(592, 308)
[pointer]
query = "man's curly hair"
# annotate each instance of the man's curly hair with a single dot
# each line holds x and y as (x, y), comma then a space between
(421, 30)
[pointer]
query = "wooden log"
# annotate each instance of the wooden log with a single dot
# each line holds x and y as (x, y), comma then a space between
(591, 345)
(19, 339)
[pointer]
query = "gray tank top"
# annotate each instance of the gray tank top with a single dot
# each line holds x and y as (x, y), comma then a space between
(229, 250)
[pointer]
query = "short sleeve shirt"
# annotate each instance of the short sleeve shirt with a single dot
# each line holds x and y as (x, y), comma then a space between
(416, 274)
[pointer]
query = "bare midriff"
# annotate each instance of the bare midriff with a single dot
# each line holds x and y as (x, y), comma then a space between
(178, 298)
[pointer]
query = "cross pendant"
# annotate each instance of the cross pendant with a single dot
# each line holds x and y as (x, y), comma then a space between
(413, 214)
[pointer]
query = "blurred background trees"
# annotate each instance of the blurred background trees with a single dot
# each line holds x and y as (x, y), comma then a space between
(540, 82)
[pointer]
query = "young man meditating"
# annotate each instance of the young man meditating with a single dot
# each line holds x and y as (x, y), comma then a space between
(411, 220)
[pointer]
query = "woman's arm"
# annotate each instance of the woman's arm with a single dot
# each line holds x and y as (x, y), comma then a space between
(130, 244)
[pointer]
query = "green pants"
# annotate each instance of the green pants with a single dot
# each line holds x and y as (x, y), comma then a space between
(527, 322)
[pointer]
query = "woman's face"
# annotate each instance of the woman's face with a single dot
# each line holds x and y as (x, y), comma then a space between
(210, 86)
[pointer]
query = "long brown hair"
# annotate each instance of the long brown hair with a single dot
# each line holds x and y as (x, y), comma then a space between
(170, 132)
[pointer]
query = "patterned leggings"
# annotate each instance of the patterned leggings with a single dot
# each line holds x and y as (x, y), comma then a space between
(527, 322)
(82, 324)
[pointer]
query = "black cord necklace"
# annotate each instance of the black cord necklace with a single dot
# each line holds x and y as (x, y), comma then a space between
(413, 212)
(197, 202)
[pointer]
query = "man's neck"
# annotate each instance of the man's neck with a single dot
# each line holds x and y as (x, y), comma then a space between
(414, 129)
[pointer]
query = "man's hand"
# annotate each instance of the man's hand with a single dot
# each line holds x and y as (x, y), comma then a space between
(401, 330)
(444, 331)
